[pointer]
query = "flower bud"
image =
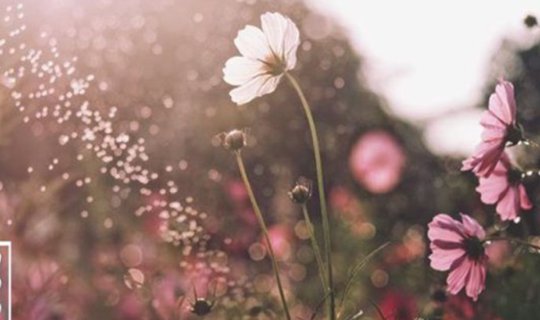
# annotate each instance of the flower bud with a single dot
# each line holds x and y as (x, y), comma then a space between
(439, 296)
(530, 21)
(234, 140)
(301, 192)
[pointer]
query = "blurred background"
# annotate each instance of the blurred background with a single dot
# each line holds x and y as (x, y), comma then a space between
(122, 204)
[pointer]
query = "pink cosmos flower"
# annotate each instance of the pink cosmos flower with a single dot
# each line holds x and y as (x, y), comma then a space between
(504, 188)
(266, 55)
(377, 161)
(500, 128)
(457, 247)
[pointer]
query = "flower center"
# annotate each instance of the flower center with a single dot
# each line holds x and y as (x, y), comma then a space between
(274, 65)
(514, 135)
(474, 248)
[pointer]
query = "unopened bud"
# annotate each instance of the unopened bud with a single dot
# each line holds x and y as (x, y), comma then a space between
(530, 21)
(301, 192)
(234, 140)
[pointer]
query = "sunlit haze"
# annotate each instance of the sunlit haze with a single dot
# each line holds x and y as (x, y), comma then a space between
(430, 58)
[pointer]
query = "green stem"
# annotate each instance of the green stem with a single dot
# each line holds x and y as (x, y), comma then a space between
(265, 232)
(322, 194)
(316, 249)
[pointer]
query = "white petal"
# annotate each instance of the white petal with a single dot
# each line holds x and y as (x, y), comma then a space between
(283, 37)
(269, 85)
(239, 70)
(254, 88)
(290, 44)
(252, 43)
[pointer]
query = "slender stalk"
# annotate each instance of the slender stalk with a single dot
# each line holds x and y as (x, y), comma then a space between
(322, 194)
(264, 230)
(529, 142)
(316, 249)
(518, 241)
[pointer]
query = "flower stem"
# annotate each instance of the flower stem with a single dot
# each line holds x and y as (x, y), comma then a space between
(265, 232)
(322, 194)
(316, 249)
(518, 241)
(529, 142)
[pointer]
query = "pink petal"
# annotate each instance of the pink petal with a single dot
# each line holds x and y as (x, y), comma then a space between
(492, 187)
(490, 121)
(508, 207)
(456, 279)
(524, 198)
(444, 228)
(489, 161)
(442, 260)
(485, 158)
(505, 106)
(476, 280)
(472, 227)
(494, 134)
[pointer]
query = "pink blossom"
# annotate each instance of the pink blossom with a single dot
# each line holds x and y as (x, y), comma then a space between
(457, 247)
(500, 128)
(504, 188)
(376, 161)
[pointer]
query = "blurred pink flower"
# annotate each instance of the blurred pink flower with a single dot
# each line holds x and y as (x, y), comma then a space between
(457, 246)
(266, 55)
(504, 188)
(458, 307)
(500, 128)
(169, 295)
(499, 253)
(280, 237)
(130, 307)
(237, 192)
(396, 305)
(376, 161)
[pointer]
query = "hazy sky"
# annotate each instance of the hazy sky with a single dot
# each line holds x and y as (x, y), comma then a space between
(403, 42)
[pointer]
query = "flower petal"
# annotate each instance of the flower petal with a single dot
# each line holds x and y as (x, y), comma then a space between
(444, 228)
(508, 207)
(254, 88)
(274, 26)
(490, 121)
(472, 227)
(524, 198)
(456, 279)
(442, 260)
(502, 102)
(283, 37)
(239, 70)
(476, 280)
(290, 45)
(493, 187)
(252, 43)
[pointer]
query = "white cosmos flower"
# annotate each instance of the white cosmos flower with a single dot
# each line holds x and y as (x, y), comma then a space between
(266, 55)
